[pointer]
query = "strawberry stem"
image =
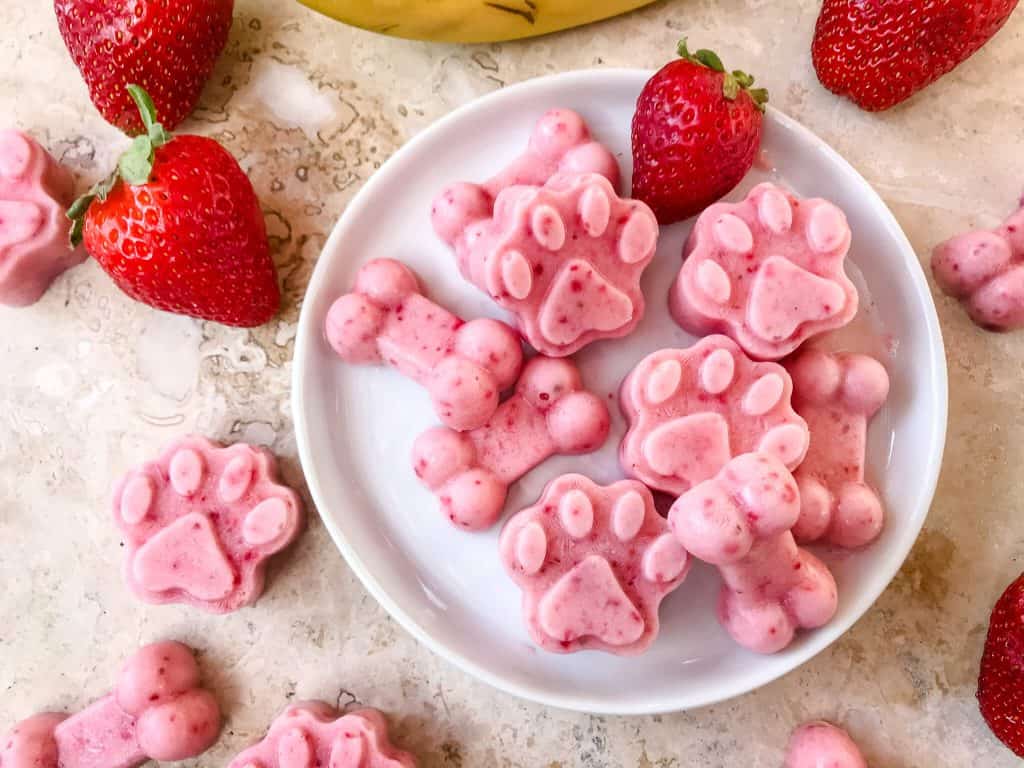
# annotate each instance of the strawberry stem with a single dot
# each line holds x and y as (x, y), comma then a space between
(732, 82)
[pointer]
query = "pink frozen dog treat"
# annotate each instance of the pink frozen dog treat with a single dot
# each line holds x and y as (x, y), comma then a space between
(691, 410)
(560, 144)
(156, 712)
(837, 394)
(985, 270)
(35, 190)
(314, 735)
(464, 366)
(767, 271)
(565, 259)
(822, 745)
(740, 521)
(200, 522)
(549, 413)
(594, 563)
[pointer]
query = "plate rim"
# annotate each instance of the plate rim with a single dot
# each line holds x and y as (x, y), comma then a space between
(812, 646)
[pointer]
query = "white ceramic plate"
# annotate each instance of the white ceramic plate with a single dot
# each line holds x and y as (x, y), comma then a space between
(355, 425)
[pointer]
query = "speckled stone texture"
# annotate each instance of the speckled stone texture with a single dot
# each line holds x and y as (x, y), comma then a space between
(312, 108)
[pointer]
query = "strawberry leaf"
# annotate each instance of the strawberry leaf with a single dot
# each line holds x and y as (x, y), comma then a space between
(709, 59)
(136, 163)
(730, 87)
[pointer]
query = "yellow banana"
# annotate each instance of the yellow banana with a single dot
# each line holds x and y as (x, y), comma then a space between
(470, 21)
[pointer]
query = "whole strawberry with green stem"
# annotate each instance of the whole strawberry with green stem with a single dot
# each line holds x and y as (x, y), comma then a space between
(169, 47)
(696, 132)
(178, 226)
(1001, 680)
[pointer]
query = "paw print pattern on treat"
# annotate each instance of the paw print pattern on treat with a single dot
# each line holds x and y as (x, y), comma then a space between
(464, 366)
(565, 259)
(985, 271)
(691, 410)
(837, 394)
(315, 735)
(560, 144)
(550, 413)
(201, 521)
(35, 190)
(767, 271)
(158, 711)
(740, 521)
(594, 564)
(823, 745)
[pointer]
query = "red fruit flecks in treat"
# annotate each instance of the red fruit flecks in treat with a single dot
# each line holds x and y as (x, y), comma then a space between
(178, 226)
(696, 131)
(881, 53)
(168, 47)
(1001, 682)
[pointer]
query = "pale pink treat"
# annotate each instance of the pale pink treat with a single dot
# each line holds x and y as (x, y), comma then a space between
(201, 521)
(464, 366)
(740, 521)
(565, 259)
(767, 271)
(837, 394)
(158, 711)
(35, 191)
(315, 735)
(985, 270)
(691, 410)
(594, 563)
(560, 144)
(550, 413)
(823, 745)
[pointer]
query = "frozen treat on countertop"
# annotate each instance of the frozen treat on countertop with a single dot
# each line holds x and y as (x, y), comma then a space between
(201, 521)
(691, 410)
(767, 271)
(315, 735)
(740, 521)
(35, 192)
(837, 394)
(550, 413)
(158, 711)
(463, 365)
(822, 745)
(594, 563)
(984, 269)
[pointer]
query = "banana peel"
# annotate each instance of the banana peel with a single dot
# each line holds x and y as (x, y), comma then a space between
(470, 21)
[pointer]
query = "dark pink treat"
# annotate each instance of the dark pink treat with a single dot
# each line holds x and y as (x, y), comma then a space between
(549, 413)
(837, 394)
(594, 563)
(156, 712)
(985, 270)
(314, 735)
(201, 521)
(464, 366)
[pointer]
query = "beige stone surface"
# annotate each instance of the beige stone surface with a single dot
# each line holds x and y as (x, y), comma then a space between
(91, 383)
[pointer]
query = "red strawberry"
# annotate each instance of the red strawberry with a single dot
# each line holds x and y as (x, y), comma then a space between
(696, 131)
(168, 47)
(1001, 682)
(881, 52)
(179, 227)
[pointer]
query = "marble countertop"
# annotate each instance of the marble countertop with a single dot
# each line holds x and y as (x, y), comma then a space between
(91, 383)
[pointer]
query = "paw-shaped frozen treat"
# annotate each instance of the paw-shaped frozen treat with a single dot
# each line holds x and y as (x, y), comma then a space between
(740, 521)
(158, 711)
(822, 745)
(767, 271)
(985, 270)
(560, 144)
(200, 522)
(594, 563)
(35, 191)
(565, 259)
(837, 394)
(691, 410)
(464, 366)
(550, 413)
(314, 735)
